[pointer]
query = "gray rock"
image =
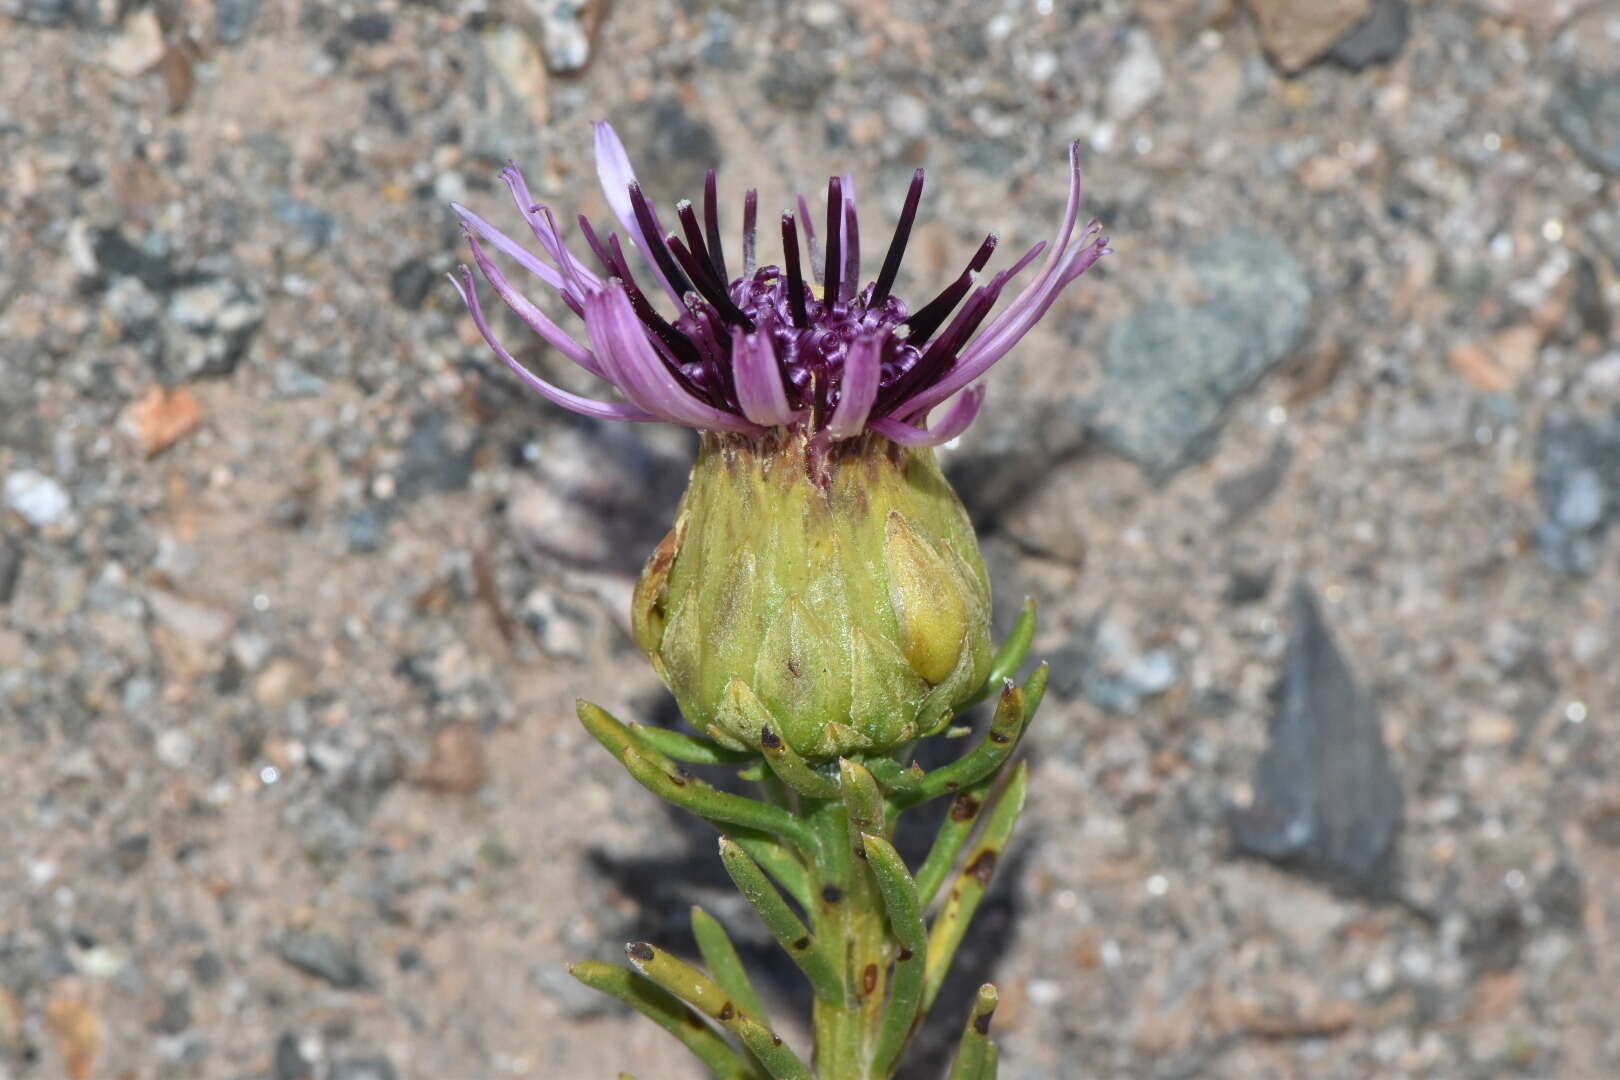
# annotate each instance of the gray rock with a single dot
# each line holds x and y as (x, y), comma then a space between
(210, 325)
(40, 500)
(311, 227)
(1172, 371)
(439, 457)
(572, 998)
(1327, 800)
(371, 1068)
(796, 79)
(287, 1061)
(565, 33)
(11, 562)
(1604, 229)
(1585, 110)
(675, 149)
(324, 957)
(1377, 40)
(410, 282)
(42, 12)
(1578, 481)
(116, 256)
(1111, 670)
(364, 530)
(233, 19)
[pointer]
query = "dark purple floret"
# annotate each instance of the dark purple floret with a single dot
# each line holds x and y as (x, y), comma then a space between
(766, 349)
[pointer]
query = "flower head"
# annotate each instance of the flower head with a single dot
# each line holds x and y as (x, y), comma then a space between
(766, 349)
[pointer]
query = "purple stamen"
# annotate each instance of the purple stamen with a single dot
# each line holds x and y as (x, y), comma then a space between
(795, 276)
(750, 219)
(711, 221)
(897, 246)
(652, 235)
(835, 238)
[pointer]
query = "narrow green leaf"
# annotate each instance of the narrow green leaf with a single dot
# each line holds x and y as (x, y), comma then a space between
(792, 769)
(906, 923)
(976, 1055)
(778, 860)
(665, 1010)
(980, 762)
(702, 993)
(863, 802)
(688, 748)
(1011, 655)
(963, 899)
(690, 793)
(720, 957)
(816, 958)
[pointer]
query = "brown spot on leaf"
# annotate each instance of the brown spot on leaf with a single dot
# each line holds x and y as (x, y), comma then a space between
(802, 944)
(640, 951)
(905, 954)
(769, 739)
(984, 866)
(726, 1012)
(981, 1023)
(965, 808)
(869, 978)
(831, 893)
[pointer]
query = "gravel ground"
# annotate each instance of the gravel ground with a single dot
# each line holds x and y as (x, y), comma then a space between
(296, 588)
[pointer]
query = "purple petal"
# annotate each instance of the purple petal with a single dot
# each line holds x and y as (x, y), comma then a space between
(1063, 264)
(963, 411)
(863, 364)
(616, 175)
(759, 379)
(549, 238)
(554, 335)
(503, 243)
(639, 372)
(604, 410)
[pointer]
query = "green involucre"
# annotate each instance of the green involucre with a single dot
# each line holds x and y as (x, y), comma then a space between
(838, 591)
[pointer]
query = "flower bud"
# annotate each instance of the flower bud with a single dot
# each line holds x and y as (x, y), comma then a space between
(834, 593)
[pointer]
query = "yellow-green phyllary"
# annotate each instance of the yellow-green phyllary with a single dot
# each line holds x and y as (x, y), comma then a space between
(821, 585)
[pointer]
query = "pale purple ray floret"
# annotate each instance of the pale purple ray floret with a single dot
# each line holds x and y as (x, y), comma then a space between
(765, 349)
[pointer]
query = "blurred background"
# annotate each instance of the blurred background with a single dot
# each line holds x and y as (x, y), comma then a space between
(297, 586)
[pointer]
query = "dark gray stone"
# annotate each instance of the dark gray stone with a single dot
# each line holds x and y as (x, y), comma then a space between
(1561, 897)
(1378, 39)
(1327, 800)
(117, 256)
(1578, 481)
(45, 12)
(209, 326)
(1245, 493)
(1110, 670)
(1604, 229)
(324, 957)
(437, 458)
(312, 227)
(371, 28)
(11, 562)
(364, 531)
(1170, 371)
(675, 149)
(1585, 110)
(410, 282)
(176, 1014)
(371, 1068)
(796, 79)
(233, 19)
(287, 1062)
